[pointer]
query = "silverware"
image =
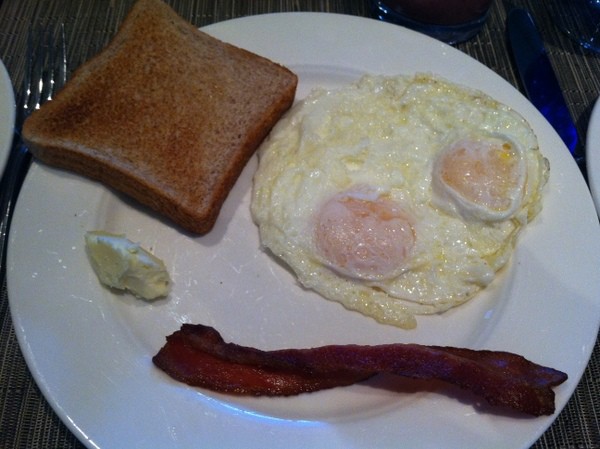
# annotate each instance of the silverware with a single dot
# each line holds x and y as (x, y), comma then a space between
(539, 80)
(45, 74)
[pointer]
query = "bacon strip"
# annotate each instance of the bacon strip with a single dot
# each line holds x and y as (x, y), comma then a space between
(197, 355)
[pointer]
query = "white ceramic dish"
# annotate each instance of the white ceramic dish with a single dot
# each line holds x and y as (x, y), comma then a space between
(90, 350)
(7, 116)
(592, 154)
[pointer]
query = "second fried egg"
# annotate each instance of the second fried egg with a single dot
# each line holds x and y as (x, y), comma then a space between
(397, 196)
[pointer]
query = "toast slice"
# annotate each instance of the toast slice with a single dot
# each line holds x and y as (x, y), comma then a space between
(165, 114)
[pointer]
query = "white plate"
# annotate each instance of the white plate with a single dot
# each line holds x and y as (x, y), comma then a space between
(592, 154)
(90, 351)
(7, 116)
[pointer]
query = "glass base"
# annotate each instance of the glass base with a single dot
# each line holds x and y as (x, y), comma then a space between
(450, 34)
(580, 20)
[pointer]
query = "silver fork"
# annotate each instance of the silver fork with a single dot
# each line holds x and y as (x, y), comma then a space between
(45, 74)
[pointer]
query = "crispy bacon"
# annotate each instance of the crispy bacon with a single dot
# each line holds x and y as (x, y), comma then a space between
(197, 355)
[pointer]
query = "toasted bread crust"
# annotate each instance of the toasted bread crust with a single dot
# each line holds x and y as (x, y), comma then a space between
(165, 114)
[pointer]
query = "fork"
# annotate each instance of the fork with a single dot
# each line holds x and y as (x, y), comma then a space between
(45, 74)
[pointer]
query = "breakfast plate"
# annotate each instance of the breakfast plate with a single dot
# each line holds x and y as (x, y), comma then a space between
(7, 116)
(592, 154)
(90, 350)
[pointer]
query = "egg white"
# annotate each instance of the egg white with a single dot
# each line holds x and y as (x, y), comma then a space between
(380, 137)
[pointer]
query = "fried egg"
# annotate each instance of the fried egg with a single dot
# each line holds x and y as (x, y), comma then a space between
(397, 196)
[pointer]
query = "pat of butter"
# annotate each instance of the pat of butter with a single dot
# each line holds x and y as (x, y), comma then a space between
(122, 264)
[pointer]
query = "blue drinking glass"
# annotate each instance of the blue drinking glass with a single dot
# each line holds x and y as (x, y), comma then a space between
(579, 19)
(451, 21)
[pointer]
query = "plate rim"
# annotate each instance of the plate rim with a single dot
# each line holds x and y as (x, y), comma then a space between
(8, 106)
(592, 150)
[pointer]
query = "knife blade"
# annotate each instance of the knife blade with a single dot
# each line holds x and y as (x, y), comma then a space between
(539, 80)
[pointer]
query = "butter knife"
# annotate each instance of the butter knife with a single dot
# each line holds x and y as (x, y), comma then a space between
(539, 80)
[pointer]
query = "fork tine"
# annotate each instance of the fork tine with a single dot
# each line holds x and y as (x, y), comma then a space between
(60, 60)
(55, 65)
(47, 63)
(36, 60)
(23, 109)
(47, 51)
(45, 69)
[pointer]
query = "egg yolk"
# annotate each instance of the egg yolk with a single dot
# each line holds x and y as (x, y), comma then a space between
(364, 238)
(485, 173)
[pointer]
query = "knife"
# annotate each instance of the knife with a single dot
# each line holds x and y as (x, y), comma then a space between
(539, 80)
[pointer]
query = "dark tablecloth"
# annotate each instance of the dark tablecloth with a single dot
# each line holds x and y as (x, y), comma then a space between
(26, 419)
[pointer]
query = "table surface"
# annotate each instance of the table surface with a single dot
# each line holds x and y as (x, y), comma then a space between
(26, 419)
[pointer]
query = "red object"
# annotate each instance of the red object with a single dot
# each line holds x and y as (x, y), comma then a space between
(198, 356)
